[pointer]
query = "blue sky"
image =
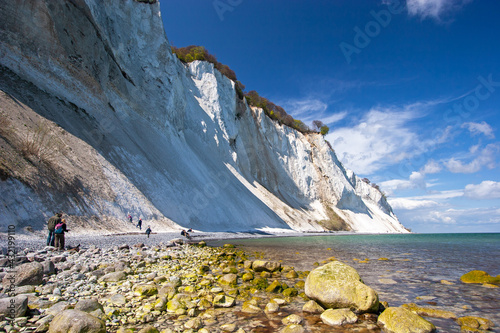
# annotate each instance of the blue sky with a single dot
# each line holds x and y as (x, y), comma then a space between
(409, 88)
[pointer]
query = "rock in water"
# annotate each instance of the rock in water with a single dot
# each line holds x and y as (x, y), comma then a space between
(400, 320)
(75, 321)
(338, 317)
(337, 285)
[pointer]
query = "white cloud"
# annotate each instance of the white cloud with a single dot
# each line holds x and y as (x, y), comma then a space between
(431, 167)
(411, 204)
(480, 128)
(435, 9)
(487, 189)
(379, 139)
(484, 158)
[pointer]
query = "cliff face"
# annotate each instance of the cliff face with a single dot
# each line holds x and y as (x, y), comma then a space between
(130, 129)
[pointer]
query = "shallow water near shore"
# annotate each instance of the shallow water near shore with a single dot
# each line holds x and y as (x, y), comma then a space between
(413, 273)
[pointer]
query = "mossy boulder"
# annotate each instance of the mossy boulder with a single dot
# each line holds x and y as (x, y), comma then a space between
(401, 320)
(145, 290)
(479, 277)
(260, 283)
(337, 285)
(224, 301)
(228, 279)
(475, 322)
(429, 312)
(274, 287)
(338, 317)
(247, 276)
(290, 292)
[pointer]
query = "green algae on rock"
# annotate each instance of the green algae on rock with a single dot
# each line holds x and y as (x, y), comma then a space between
(337, 285)
(479, 277)
(401, 320)
(429, 312)
(475, 322)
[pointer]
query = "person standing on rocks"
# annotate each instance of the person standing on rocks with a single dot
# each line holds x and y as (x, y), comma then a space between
(51, 225)
(130, 218)
(59, 234)
(148, 230)
(139, 224)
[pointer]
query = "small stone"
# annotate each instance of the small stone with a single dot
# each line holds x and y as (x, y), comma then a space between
(271, 307)
(228, 327)
(338, 317)
(312, 307)
(292, 319)
(194, 323)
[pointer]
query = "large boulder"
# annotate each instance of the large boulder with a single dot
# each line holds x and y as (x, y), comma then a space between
(75, 321)
(337, 285)
(401, 320)
(26, 274)
(13, 307)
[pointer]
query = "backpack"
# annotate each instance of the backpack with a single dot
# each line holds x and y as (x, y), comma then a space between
(51, 224)
(59, 229)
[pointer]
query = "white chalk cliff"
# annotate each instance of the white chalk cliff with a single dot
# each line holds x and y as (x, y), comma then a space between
(139, 132)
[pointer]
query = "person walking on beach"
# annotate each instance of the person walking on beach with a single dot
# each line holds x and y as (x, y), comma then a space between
(148, 230)
(59, 231)
(139, 224)
(51, 225)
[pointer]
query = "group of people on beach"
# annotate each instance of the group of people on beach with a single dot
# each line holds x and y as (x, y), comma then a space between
(57, 228)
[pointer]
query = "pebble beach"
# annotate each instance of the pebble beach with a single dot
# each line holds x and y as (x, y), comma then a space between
(131, 283)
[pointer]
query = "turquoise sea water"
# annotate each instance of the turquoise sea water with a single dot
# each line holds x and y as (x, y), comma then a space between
(414, 272)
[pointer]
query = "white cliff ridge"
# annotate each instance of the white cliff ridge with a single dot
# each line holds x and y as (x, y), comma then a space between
(147, 135)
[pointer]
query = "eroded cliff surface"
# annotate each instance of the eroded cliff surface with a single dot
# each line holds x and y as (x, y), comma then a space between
(130, 129)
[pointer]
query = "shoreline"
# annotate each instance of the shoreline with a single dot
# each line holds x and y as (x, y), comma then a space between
(37, 241)
(201, 272)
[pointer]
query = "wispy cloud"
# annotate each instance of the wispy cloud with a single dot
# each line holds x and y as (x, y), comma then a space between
(487, 189)
(485, 157)
(411, 204)
(479, 128)
(435, 9)
(309, 109)
(383, 136)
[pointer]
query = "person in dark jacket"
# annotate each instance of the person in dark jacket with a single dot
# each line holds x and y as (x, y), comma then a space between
(139, 224)
(51, 225)
(148, 230)
(59, 234)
